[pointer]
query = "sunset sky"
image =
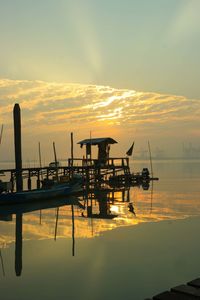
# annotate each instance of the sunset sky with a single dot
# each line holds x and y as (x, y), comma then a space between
(126, 69)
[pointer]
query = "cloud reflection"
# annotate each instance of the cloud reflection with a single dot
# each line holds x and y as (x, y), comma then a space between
(164, 206)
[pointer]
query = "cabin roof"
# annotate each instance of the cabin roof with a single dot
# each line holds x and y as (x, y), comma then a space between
(97, 141)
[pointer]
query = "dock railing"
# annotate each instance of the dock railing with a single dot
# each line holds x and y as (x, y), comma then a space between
(119, 162)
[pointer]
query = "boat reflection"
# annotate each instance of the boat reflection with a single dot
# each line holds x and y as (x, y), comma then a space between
(19, 209)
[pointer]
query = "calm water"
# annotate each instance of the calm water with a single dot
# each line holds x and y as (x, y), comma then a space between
(106, 251)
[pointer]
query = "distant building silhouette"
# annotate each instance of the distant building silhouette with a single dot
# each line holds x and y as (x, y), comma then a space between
(189, 151)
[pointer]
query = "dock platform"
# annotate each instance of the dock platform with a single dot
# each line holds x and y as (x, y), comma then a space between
(92, 170)
(189, 291)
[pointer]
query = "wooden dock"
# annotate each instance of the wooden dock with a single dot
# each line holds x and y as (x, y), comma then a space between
(189, 291)
(103, 169)
(91, 169)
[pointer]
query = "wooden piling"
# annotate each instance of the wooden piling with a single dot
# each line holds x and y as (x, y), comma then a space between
(29, 182)
(12, 182)
(18, 150)
(38, 180)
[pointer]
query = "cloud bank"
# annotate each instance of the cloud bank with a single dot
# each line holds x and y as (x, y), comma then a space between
(53, 109)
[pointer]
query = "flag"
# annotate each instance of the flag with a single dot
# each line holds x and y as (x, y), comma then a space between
(130, 151)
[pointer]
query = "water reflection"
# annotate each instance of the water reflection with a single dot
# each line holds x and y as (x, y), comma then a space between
(100, 204)
(53, 232)
(99, 210)
(19, 210)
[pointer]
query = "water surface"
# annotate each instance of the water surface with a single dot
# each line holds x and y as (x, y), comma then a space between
(66, 254)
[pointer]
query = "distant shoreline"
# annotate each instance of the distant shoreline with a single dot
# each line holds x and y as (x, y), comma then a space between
(131, 159)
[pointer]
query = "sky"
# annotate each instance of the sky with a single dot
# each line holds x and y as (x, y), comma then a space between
(135, 44)
(51, 110)
(63, 61)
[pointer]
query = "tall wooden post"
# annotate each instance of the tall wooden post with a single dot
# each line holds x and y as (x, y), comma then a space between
(72, 148)
(18, 150)
(19, 186)
(72, 154)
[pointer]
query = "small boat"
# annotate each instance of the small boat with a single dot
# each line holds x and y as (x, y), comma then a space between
(55, 191)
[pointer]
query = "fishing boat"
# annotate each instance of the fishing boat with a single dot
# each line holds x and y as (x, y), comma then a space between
(55, 191)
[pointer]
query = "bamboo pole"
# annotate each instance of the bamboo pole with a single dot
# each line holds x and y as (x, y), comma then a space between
(150, 157)
(72, 149)
(40, 159)
(55, 159)
(72, 154)
(1, 135)
(91, 146)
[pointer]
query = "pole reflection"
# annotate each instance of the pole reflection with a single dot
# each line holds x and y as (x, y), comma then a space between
(97, 204)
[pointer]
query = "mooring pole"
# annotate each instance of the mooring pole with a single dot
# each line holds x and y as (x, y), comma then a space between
(18, 150)
(150, 157)
(55, 159)
(72, 155)
(40, 159)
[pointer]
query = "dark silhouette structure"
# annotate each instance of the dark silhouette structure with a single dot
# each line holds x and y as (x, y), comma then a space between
(18, 147)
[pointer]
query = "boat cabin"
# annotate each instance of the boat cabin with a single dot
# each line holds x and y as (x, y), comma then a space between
(103, 145)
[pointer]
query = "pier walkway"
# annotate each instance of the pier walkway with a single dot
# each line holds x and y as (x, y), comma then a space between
(189, 291)
(93, 170)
